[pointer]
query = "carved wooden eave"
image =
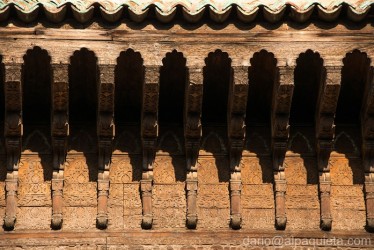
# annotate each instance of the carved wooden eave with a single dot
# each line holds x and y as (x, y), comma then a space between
(367, 124)
(192, 10)
(105, 133)
(282, 98)
(325, 134)
(192, 134)
(13, 131)
(236, 134)
(60, 133)
(149, 134)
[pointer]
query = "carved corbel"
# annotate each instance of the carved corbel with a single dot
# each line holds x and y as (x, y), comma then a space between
(192, 134)
(105, 133)
(60, 133)
(236, 135)
(13, 131)
(367, 129)
(282, 98)
(325, 134)
(149, 134)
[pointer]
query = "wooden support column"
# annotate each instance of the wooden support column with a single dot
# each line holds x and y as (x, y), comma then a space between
(282, 98)
(325, 134)
(192, 134)
(60, 133)
(367, 129)
(105, 133)
(13, 131)
(149, 134)
(236, 135)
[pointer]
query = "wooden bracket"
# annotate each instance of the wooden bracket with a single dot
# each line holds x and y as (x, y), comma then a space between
(13, 131)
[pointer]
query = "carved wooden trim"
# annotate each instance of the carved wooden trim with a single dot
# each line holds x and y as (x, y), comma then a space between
(105, 132)
(367, 130)
(236, 133)
(60, 133)
(192, 134)
(13, 131)
(282, 98)
(149, 134)
(325, 134)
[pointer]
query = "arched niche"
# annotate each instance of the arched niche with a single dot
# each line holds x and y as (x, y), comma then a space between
(307, 78)
(83, 78)
(354, 78)
(172, 88)
(129, 78)
(262, 75)
(217, 77)
(36, 76)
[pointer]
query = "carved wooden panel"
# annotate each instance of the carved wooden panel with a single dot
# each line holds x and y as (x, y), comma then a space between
(257, 170)
(125, 169)
(213, 170)
(258, 218)
(34, 188)
(169, 170)
(169, 206)
(213, 205)
(132, 206)
(80, 186)
(33, 218)
(257, 196)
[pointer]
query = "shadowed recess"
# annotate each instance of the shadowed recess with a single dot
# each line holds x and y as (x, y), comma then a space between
(354, 77)
(2, 100)
(307, 79)
(83, 75)
(217, 76)
(172, 87)
(260, 91)
(129, 78)
(36, 74)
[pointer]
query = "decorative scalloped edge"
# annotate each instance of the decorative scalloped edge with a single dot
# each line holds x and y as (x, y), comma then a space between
(193, 10)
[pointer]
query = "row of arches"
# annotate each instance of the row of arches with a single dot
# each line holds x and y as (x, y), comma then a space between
(129, 76)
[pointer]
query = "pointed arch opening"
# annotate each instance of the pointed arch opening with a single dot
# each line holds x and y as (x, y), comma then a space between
(262, 75)
(354, 77)
(36, 76)
(83, 78)
(217, 77)
(172, 88)
(307, 78)
(129, 78)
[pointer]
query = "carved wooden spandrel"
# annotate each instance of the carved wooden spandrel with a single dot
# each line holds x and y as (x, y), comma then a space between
(13, 131)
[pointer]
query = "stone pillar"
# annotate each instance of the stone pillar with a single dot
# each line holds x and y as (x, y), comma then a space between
(149, 134)
(13, 131)
(105, 133)
(60, 133)
(282, 98)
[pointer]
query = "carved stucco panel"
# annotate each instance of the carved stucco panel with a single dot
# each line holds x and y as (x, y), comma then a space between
(34, 189)
(257, 196)
(80, 217)
(125, 169)
(34, 218)
(256, 170)
(169, 170)
(169, 203)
